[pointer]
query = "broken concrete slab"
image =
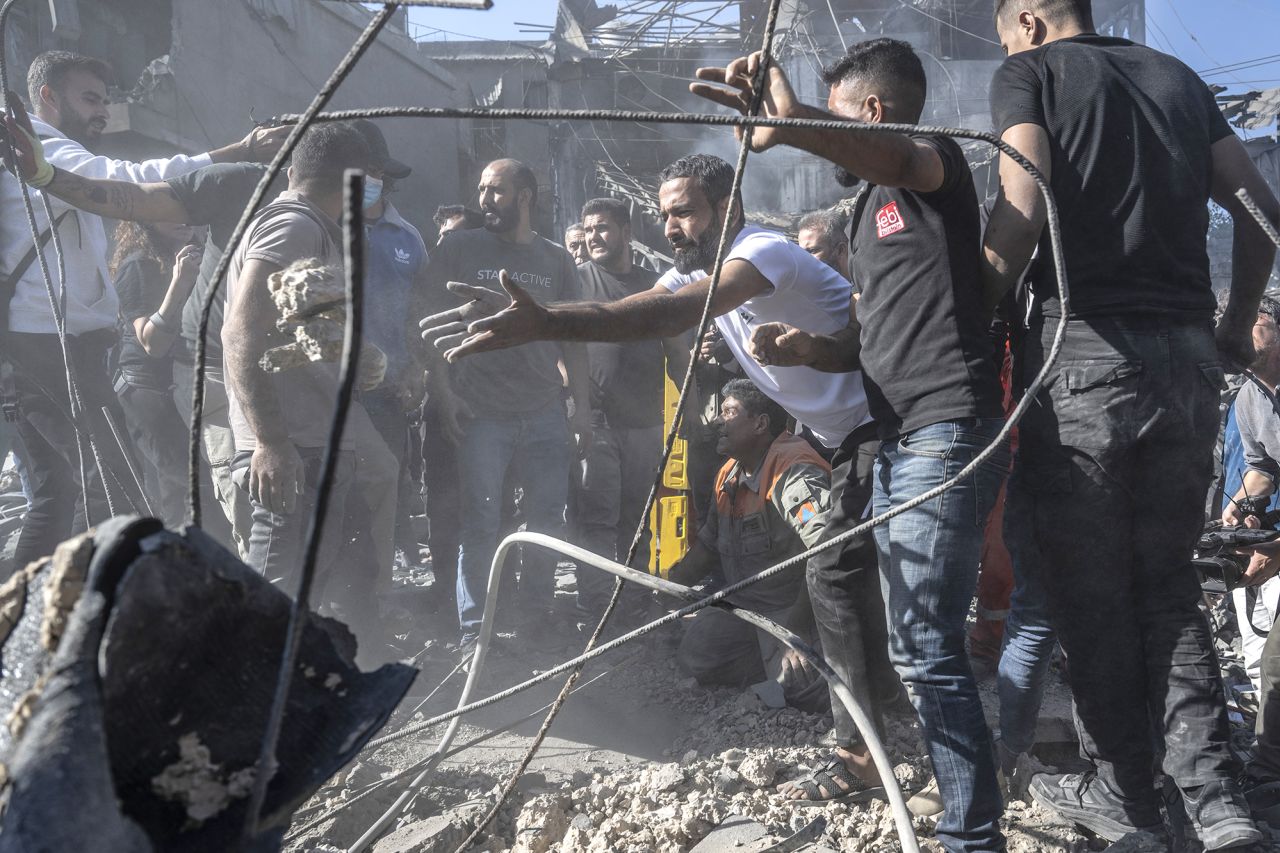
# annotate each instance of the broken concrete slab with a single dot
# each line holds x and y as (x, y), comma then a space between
(439, 834)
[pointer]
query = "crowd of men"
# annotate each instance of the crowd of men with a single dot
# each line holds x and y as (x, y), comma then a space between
(869, 362)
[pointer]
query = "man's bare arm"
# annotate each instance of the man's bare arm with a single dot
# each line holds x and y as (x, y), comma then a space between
(1252, 252)
(250, 318)
(656, 313)
(151, 202)
(886, 159)
(1018, 217)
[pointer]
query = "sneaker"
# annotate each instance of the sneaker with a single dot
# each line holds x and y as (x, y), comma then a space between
(1083, 799)
(927, 802)
(1220, 815)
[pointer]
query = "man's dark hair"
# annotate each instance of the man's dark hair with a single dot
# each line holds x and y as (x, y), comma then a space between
(616, 210)
(326, 150)
(524, 179)
(713, 175)
(51, 68)
(829, 223)
(888, 66)
(470, 218)
(1054, 11)
(1270, 307)
(756, 402)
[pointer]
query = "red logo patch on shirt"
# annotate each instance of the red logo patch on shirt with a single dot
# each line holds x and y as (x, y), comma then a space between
(889, 220)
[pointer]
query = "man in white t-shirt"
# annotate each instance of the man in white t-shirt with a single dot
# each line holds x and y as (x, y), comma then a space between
(765, 279)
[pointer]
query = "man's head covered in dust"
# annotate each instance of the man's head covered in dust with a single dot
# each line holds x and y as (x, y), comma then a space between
(878, 81)
(1024, 25)
(325, 151)
(508, 194)
(69, 92)
(694, 203)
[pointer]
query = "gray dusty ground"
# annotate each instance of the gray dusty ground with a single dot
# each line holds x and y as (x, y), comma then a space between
(642, 759)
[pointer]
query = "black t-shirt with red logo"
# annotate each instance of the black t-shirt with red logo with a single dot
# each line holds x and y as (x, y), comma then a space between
(914, 258)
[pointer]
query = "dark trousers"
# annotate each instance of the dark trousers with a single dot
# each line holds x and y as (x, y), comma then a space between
(49, 438)
(615, 480)
(1108, 496)
(160, 436)
(1266, 762)
(440, 478)
(844, 590)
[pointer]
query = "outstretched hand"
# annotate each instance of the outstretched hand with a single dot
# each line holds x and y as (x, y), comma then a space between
(489, 321)
(22, 152)
(734, 90)
(780, 345)
(449, 328)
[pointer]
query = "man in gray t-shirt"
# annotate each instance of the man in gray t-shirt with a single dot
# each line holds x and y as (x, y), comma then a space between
(510, 403)
(281, 421)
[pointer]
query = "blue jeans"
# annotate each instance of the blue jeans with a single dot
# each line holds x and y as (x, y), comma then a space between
(539, 445)
(929, 569)
(1027, 649)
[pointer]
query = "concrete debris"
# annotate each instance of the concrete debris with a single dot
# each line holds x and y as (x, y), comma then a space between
(70, 568)
(725, 766)
(198, 784)
(311, 298)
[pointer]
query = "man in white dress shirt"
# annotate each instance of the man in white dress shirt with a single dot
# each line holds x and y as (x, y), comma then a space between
(68, 96)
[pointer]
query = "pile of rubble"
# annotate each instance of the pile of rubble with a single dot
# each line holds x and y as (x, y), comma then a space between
(729, 765)
(670, 808)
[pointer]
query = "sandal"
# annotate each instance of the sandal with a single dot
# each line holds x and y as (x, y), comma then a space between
(837, 780)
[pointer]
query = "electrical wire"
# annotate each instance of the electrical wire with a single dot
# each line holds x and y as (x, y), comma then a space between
(1256, 212)
(352, 334)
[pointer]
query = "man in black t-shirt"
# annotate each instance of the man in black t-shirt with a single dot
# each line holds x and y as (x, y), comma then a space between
(1116, 457)
(627, 393)
(920, 339)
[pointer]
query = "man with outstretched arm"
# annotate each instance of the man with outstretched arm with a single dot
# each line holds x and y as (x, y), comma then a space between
(1116, 456)
(920, 339)
(765, 278)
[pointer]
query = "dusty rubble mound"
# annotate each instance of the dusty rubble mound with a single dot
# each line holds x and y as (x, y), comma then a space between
(727, 765)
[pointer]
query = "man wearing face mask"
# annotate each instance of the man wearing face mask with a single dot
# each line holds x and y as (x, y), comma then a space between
(395, 255)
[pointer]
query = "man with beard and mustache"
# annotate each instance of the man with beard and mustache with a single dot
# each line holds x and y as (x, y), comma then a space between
(920, 337)
(510, 406)
(627, 392)
(765, 279)
(68, 94)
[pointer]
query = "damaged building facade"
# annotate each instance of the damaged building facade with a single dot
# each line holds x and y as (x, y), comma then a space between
(243, 61)
(641, 55)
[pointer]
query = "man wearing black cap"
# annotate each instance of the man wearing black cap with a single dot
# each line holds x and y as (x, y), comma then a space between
(395, 255)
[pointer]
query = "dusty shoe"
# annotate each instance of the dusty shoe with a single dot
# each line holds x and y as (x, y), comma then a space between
(1082, 798)
(927, 802)
(1220, 815)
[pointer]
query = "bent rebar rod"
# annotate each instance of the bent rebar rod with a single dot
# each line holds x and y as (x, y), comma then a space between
(897, 804)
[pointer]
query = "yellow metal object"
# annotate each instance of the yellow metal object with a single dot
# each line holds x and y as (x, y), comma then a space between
(671, 520)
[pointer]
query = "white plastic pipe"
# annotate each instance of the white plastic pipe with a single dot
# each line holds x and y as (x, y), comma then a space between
(897, 804)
